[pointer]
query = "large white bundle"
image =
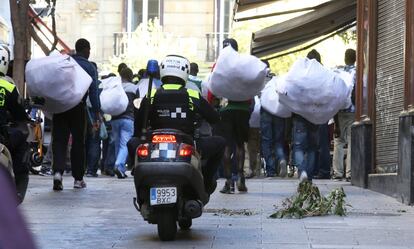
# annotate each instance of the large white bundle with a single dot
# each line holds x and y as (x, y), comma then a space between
(143, 87)
(254, 121)
(237, 77)
(59, 80)
(313, 91)
(270, 99)
(114, 100)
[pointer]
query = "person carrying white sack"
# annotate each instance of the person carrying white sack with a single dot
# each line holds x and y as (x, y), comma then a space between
(273, 119)
(73, 122)
(305, 139)
(234, 127)
(343, 122)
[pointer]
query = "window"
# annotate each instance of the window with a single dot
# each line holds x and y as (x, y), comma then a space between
(143, 10)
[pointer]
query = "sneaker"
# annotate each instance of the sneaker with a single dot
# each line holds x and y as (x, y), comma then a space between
(109, 172)
(348, 179)
(322, 177)
(119, 174)
(283, 168)
(79, 184)
(57, 182)
(228, 187)
(337, 178)
(89, 174)
(241, 185)
(303, 176)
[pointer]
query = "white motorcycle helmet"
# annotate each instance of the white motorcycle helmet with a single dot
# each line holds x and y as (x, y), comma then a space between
(4, 59)
(176, 66)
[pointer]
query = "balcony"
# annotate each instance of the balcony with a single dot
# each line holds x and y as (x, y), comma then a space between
(202, 48)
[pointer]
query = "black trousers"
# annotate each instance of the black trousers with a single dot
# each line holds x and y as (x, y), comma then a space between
(70, 122)
(212, 152)
(19, 150)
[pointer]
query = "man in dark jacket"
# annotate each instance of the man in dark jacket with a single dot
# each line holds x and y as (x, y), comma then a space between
(73, 122)
(174, 106)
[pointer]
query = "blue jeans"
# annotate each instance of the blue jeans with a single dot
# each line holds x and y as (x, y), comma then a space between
(272, 130)
(108, 153)
(323, 159)
(122, 131)
(305, 140)
(93, 151)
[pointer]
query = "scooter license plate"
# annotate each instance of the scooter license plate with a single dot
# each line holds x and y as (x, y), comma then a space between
(165, 195)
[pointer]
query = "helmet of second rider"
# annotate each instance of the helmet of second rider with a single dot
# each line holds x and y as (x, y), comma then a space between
(4, 60)
(174, 69)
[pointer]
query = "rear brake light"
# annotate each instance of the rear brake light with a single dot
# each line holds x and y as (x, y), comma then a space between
(163, 139)
(142, 151)
(186, 150)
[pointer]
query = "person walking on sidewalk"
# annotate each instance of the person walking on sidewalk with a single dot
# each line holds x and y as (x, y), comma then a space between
(272, 129)
(305, 139)
(73, 122)
(234, 127)
(123, 124)
(343, 123)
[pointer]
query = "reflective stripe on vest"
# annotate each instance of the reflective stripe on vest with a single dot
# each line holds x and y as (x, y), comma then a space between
(7, 85)
(191, 93)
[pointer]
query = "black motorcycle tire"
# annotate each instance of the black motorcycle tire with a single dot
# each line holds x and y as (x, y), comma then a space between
(185, 224)
(167, 226)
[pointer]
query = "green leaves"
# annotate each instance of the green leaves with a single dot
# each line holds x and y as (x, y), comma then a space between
(309, 202)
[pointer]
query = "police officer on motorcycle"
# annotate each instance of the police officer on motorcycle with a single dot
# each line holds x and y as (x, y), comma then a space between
(12, 111)
(176, 107)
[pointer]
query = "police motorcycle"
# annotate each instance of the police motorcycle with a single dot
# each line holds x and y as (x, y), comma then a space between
(168, 179)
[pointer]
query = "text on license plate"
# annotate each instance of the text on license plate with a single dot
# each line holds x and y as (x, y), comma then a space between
(164, 195)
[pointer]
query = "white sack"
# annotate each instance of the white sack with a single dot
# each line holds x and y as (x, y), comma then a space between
(59, 80)
(270, 99)
(143, 87)
(254, 121)
(349, 78)
(313, 91)
(114, 100)
(237, 77)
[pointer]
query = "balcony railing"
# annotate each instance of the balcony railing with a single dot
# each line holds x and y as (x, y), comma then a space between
(207, 48)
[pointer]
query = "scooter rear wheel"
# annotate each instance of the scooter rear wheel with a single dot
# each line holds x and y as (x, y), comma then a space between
(167, 226)
(185, 224)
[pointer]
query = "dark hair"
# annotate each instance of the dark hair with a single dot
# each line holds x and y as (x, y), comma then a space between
(193, 68)
(350, 56)
(142, 73)
(232, 42)
(127, 74)
(121, 66)
(313, 54)
(81, 45)
(108, 76)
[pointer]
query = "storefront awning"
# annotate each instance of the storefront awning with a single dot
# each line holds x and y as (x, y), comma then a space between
(243, 5)
(324, 19)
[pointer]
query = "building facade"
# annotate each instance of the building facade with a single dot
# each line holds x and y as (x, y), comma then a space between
(201, 23)
(382, 136)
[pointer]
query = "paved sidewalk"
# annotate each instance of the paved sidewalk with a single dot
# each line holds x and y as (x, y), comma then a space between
(103, 216)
